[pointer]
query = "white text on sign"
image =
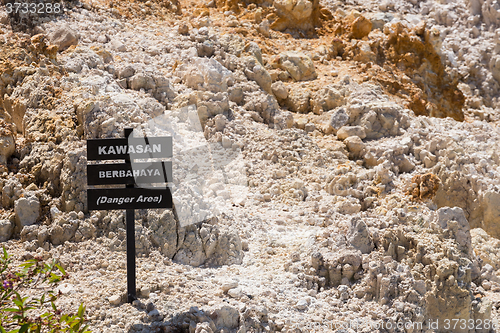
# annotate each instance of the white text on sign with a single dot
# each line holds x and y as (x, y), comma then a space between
(122, 200)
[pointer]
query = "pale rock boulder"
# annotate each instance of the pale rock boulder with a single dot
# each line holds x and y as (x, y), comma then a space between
(299, 100)
(346, 131)
(84, 110)
(338, 118)
(193, 78)
(11, 191)
(27, 210)
(206, 49)
(7, 147)
(191, 251)
(404, 164)
(295, 14)
(482, 313)
(261, 106)
(264, 28)
(145, 291)
(355, 146)
(397, 154)
(495, 67)
(236, 293)
(299, 9)
(348, 206)
(365, 54)
(491, 12)
(6, 229)
(300, 123)
(163, 231)
(232, 43)
(163, 88)
(491, 204)
(226, 286)
(141, 81)
(63, 229)
(359, 236)
(236, 94)
(64, 37)
(73, 179)
(298, 65)
(260, 75)
(341, 266)
(255, 71)
(475, 6)
(488, 274)
(486, 247)
(203, 328)
(215, 76)
(282, 120)
(117, 45)
(380, 19)
(196, 245)
(225, 316)
(222, 245)
(32, 232)
(452, 301)
(383, 173)
(16, 108)
(454, 219)
(279, 90)
(207, 104)
(220, 122)
(253, 49)
(310, 127)
(301, 305)
(327, 99)
(126, 72)
(115, 300)
(102, 39)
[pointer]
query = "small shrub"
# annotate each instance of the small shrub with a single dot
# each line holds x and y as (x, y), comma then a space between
(34, 313)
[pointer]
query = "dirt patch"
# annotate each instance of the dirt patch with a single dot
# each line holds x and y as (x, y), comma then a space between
(159, 9)
(403, 60)
(424, 186)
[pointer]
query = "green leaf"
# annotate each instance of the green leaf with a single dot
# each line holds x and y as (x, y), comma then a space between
(53, 306)
(5, 255)
(81, 311)
(2, 330)
(28, 263)
(24, 328)
(18, 302)
(61, 269)
(11, 310)
(54, 278)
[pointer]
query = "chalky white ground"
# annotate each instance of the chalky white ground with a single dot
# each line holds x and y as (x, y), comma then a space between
(264, 256)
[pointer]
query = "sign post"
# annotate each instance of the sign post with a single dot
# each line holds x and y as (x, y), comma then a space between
(131, 197)
(130, 231)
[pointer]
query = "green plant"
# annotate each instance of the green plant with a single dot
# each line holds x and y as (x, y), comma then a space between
(37, 314)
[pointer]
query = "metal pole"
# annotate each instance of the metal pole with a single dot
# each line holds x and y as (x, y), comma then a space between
(130, 219)
(131, 288)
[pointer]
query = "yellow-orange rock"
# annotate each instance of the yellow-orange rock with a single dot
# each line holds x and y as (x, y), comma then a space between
(361, 27)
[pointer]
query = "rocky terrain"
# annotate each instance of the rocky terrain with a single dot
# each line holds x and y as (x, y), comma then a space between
(336, 163)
